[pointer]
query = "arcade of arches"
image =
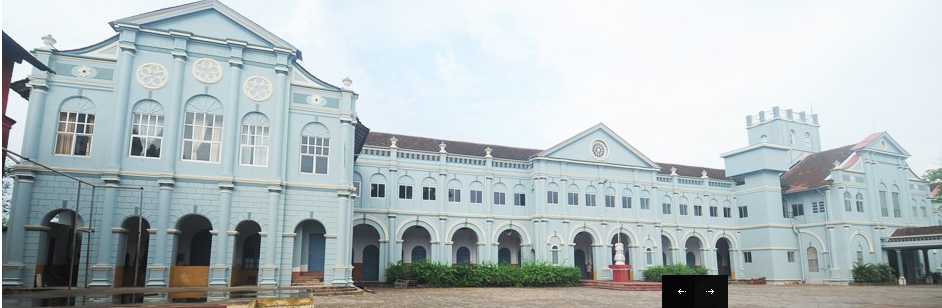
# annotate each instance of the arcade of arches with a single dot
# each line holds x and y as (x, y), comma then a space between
(193, 243)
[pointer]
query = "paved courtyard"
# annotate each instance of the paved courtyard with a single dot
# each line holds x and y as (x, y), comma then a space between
(740, 296)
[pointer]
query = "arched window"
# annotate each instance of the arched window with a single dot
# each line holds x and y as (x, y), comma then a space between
(812, 260)
(884, 210)
(860, 255)
(254, 140)
(626, 198)
(897, 210)
(315, 148)
(860, 202)
(202, 129)
(848, 202)
(418, 254)
(763, 139)
(808, 139)
(649, 255)
(147, 129)
(76, 127)
(463, 256)
(555, 250)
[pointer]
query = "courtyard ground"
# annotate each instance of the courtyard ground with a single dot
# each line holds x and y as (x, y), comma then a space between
(740, 296)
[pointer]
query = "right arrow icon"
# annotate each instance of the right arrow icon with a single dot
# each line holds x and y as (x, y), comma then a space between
(710, 291)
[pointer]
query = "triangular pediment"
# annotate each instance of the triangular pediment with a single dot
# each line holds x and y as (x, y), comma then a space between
(208, 18)
(584, 147)
(884, 143)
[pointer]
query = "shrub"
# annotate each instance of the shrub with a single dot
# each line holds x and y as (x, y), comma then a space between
(656, 272)
(484, 275)
(874, 273)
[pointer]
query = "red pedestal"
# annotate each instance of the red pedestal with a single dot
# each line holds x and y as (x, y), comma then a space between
(621, 273)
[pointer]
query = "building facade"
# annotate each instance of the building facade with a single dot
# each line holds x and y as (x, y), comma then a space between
(210, 152)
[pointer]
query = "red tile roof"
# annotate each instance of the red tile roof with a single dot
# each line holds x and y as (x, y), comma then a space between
(379, 139)
(812, 171)
(917, 231)
(693, 171)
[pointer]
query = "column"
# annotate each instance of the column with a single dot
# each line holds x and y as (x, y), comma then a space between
(158, 270)
(19, 214)
(444, 256)
(636, 262)
(603, 257)
(709, 256)
(444, 253)
(383, 259)
(677, 256)
(122, 91)
(481, 248)
(490, 251)
(394, 253)
(270, 238)
(833, 268)
(925, 257)
(102, 271)
(342, 267)
(219, 271)
(899, 263)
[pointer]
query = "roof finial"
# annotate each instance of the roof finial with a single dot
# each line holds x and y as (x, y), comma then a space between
(441, 147)
(347, 82)
(703, 174)
(49, 42)
(392, 142)
(673, 170)
(487, 152)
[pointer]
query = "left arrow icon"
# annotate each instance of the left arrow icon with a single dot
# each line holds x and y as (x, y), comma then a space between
(681, 291)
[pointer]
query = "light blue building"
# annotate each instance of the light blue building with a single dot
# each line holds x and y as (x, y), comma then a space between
(255, 172)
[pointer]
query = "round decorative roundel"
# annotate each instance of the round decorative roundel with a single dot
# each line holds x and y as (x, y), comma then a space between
(152, 75)
(207, 70)
(599, 149)
(257, 88)
(315, 100)
(83, 71)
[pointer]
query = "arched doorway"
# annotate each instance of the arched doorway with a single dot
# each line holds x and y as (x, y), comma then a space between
(582, 254)
(666, 251)
(60, 249)
(693, 250)
(621, 238)
(416, 244)
(465, 245)
(723, 264)
(509, 251)
(131, 260)
(365, 253)
(309, 252)
(193, 249)
(245, 256)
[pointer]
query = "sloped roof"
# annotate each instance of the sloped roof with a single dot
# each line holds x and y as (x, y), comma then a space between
(693, 171)
(13, 50)
(812, 171)
(378, 139)
(917, 231)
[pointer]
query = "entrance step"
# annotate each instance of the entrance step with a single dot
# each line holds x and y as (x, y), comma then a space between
(622, 286)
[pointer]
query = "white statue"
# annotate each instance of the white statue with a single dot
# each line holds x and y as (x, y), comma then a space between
(619, 254)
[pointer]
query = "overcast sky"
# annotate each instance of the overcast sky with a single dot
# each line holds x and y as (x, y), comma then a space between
(675, 80)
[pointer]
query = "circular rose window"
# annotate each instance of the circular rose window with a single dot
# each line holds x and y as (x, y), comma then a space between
(207, 70)
(152, 75)
(599, 149)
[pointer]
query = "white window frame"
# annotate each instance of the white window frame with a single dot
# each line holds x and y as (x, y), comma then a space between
(552, 197)
(157, 126)
(428, 193)
(454, 195)
(246, 134)
(477, 195)
(379, 188)
(89, 123)
(213, 141)
(311, 149)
